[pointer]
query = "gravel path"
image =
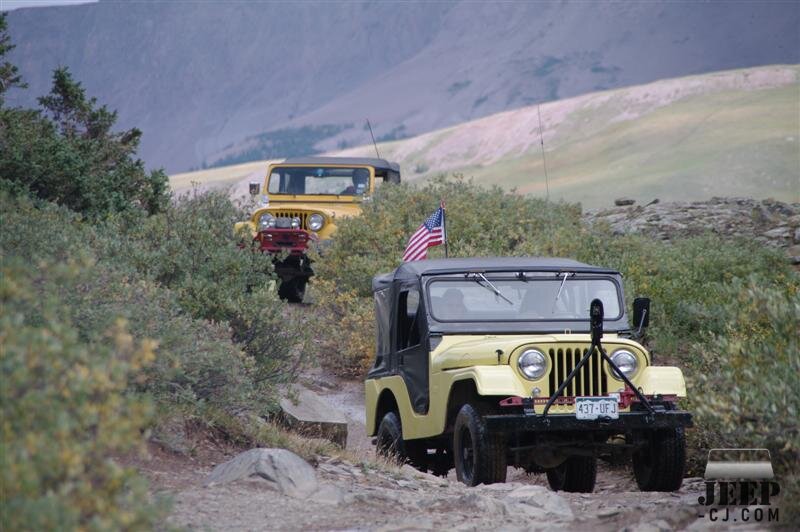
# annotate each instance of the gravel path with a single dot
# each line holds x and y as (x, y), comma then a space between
(360, 497)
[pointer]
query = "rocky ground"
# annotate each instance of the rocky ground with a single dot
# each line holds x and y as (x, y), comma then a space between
(356, 494)
(771, 222)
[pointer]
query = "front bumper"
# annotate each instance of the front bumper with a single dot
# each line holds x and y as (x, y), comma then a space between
(276, 240)
(627, 422)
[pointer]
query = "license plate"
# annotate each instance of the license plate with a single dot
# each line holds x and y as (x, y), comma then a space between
(596, 408)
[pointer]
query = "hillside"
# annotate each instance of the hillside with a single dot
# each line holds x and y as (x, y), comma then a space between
(731, 133)
(239, 81)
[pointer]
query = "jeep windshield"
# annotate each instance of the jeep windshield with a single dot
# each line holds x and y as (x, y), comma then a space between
(304, 180)
(550, 297)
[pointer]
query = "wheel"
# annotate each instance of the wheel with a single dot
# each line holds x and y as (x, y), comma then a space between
(390, 437)
(660, 464)
(293, 290)
(577, 474)
(480, 457)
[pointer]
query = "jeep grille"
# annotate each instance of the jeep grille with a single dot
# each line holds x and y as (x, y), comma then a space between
(590, 380)
(281, 213)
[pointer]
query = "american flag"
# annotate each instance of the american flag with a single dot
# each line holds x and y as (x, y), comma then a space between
(430, 233)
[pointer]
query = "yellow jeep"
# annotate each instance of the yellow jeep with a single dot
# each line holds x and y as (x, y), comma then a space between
(301, 200)
(487, 363)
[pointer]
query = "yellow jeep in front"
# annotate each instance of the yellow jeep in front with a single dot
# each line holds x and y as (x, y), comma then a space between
(487, 363)
(301, 201)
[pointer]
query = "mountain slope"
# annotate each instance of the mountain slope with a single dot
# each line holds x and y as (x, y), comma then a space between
(203, 79)
(733, 133)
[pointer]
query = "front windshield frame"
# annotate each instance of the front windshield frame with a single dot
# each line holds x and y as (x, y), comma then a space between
(370, 185)
(538, 277)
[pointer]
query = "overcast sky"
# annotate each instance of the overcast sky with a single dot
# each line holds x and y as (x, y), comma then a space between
(8, 5)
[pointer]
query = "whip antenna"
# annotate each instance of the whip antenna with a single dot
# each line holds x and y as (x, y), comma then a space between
(373, 139)
(544, 159)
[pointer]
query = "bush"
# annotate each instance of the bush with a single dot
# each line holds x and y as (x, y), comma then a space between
(480, 222)
(66, 411)
(197, 365)
(67, 153)
(351, 350)
(751, 376)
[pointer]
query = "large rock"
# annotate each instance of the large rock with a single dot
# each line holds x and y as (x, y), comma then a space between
(309, 414)
(539, 502)
(282, 470)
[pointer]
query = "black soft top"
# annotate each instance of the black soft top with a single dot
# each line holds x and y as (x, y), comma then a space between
(378, 164)
(416, 269)
(412, 273)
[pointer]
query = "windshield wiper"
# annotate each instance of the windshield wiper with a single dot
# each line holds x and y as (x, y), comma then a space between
(560, 288)
(491, 287)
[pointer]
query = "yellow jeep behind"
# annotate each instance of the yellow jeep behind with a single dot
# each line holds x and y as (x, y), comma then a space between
(301, 201)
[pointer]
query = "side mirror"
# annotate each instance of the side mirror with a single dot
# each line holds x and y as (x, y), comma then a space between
(641, 312)
(254, 188)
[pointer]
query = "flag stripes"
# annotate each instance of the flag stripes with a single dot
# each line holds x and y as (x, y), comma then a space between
(429, 234)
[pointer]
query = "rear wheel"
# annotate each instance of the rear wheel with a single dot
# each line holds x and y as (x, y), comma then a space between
(660, 464)
(293, 290)
(480, 457)
(576, 474)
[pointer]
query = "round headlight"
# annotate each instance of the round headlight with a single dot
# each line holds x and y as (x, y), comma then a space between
(532, 364)
(626, 362)
(266, 221)
(315, 222)
(295, 222)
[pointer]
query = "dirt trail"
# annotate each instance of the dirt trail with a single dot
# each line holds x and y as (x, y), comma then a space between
(362, 497)
(358, 497)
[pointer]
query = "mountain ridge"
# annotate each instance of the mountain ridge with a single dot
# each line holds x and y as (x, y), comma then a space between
(730, 133)
(199, 79)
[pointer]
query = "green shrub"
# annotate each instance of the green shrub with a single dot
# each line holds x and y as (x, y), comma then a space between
(480, 222)
(198, 366)
(66, 412)
(750, 374)
(67, 153)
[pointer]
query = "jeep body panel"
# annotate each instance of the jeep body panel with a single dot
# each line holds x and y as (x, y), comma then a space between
(331, 206)
(474, 358)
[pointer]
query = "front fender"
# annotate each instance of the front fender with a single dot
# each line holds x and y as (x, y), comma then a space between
(492, 380)
(245, 228)
(664, 380)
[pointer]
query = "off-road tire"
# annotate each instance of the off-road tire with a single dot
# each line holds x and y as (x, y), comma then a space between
(577, 474)
(479, 456)
(661, 463)
(389, 440)
(293, 290)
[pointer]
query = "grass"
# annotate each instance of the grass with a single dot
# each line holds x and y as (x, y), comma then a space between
(718, 134)
(736, 143)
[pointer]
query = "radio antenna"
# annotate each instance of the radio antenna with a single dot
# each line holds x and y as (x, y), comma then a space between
(373, 139)
(544, 159)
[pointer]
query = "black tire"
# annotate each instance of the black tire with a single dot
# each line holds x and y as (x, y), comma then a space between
(389, 441)
(661, 463)
(480, 457)
(293, 290)
(577, 474)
